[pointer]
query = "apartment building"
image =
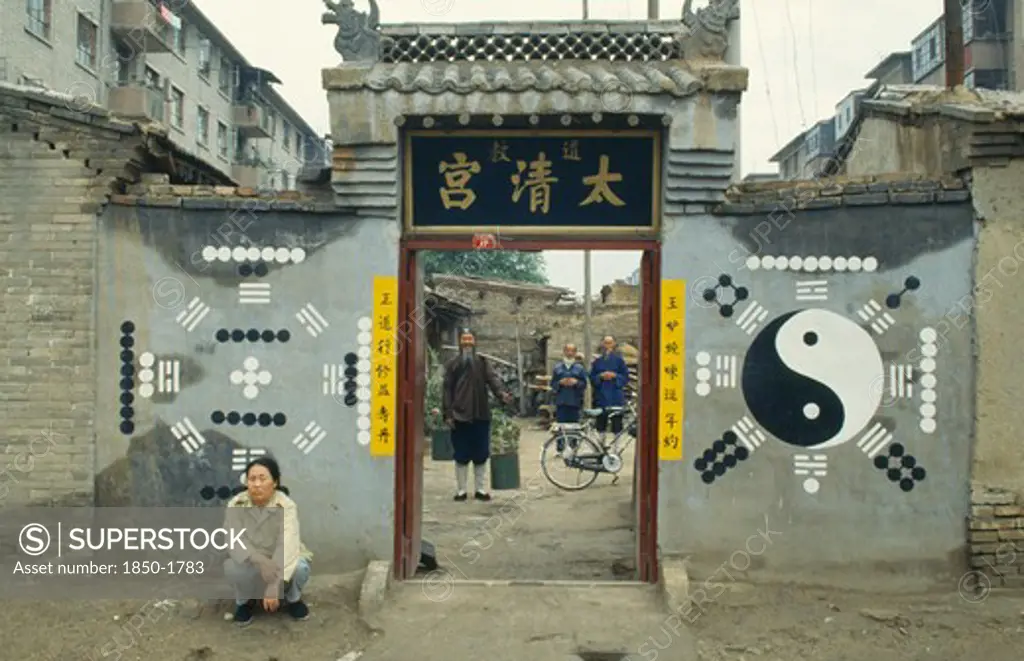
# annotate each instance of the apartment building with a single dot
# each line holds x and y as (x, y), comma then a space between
(805, 154)
(165, 62)
(992, 47)
(993, 59)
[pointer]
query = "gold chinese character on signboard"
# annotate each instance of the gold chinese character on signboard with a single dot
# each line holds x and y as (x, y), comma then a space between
(383, 391)
(538, 180)
(672, 348)
(384, 347)
(499, 152)
(383, 414)
(386, 300)
(671, 441)
(456, 177)
(384, 436)
(671, 395)
(672, 371)
(385, 324)
(571, 150)
(383, 371)
(601, 189)
(672, 325)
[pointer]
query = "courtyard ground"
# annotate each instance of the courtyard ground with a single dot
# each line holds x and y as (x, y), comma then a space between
(583, 536)
(536, 532)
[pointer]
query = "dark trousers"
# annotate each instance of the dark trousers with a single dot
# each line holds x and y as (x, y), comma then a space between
(471, 441)
(601, 424)
(567, 414)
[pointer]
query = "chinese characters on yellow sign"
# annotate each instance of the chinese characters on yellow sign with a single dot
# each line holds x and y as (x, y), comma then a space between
(384, 367)
(533, 179)
(673, 352)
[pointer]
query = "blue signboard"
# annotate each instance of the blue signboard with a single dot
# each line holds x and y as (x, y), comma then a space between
(520, 181)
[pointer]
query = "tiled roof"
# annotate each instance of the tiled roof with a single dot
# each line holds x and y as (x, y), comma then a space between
(673, 77)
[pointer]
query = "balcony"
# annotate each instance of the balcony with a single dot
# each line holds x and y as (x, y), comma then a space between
(251, 120)
(136, 101)
(139, 24)
(247, 176)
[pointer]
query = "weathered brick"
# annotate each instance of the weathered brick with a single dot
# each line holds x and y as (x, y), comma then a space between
(1008, 510)
(983, 536)
(866, 200)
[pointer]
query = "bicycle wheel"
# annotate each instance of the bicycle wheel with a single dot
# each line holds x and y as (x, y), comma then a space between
(581, 452)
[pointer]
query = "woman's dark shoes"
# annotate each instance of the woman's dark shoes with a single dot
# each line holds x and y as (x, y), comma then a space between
(480, 495)
(298, 610)
(459, 497)
(243, 614)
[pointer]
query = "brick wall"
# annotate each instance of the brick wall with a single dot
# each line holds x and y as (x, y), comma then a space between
(56, 168)
(996, 536)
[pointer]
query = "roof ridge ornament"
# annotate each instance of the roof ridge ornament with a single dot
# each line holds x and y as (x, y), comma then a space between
(709, 29)
(358, 38)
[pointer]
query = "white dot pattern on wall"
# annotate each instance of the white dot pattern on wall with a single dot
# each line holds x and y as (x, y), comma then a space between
(253, 254)
(363, 438)
(363, 422)
(251, 376)
(812, 264)
(703, 386)
(929, 349)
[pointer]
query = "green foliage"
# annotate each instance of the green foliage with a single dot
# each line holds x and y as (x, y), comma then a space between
(494, 264)
(433, 397)
(504, 432)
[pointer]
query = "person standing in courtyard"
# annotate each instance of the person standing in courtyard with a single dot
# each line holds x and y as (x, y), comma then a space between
(467, 411)
(569, 385)
(609, 376)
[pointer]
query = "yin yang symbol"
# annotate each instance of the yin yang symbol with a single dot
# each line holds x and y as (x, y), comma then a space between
(810, 378)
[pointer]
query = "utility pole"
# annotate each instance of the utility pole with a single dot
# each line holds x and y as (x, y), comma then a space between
(588, 344)
(954, 18)
(652, 9)
(586, 10)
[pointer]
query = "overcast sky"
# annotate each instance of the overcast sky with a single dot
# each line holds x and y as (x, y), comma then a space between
(803, 56)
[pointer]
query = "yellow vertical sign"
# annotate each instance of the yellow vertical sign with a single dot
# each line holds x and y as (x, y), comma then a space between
(673, 358)
(384, 367)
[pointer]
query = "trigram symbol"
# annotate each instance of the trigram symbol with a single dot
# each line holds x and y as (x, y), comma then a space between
(193, 314)
(874, 316)
(806, 464)
(900, 384)
(751, 317)
(812, 290)
(750, 436)
(186, 432)
(240, 458)
(257, 293)
(311, 320)
(168, 376)
(874, 440)
(725, 371)
(333, 379)
(309, 438)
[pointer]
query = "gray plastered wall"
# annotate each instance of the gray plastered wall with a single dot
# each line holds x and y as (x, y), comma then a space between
(857, 519)
(150, 268)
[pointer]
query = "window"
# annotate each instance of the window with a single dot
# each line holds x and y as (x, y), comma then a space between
(39, 17)
(849, 114)
(222, 139)
(225, 76)
(286, 140)
(203, 126)
(177, 108)
(298, 143)
(272, 122)
(152, 78)
(178, 37)
(933, 48)
(87, 35)
(205, 57)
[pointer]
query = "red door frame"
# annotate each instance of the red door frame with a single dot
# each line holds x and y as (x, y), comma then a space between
(410, 442)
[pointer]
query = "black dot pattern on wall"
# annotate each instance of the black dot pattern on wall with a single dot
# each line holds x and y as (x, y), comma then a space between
(893, 301)
(724, 454)
(235, 418)
(127, 379)
(900, 467)
(725, 294)
(221, 492)
(252, 335)
(259, 270)
(350, 385)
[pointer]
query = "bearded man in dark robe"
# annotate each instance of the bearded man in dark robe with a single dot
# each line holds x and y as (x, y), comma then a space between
(467, 411)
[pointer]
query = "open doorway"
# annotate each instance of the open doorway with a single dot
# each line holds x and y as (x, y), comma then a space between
(530, 529)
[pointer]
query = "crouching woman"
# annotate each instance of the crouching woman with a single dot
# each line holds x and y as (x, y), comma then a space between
(274, 560)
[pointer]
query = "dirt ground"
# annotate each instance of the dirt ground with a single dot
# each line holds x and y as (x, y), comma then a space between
(536, 532)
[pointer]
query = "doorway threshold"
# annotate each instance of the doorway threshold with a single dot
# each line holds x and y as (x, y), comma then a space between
(525, 582)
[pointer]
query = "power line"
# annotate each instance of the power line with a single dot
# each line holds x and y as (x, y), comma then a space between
(764, 67)
(796, 64)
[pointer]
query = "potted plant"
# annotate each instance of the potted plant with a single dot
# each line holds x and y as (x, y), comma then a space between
(504, 451)
(433, 423)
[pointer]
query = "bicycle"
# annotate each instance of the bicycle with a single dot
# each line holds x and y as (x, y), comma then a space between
(573, 446)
